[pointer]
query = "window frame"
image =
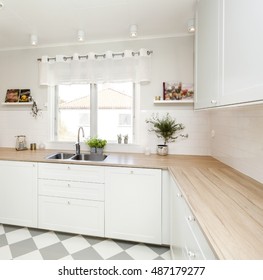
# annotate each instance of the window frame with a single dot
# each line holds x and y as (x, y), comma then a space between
(53, 113)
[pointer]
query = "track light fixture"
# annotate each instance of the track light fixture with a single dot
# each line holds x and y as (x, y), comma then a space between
(133, 31)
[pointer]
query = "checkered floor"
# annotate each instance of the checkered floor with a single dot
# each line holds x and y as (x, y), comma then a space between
(21, 243)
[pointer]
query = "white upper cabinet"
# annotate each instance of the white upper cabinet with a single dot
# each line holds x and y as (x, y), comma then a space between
(207, 57)
(242, 45)
(229, 52)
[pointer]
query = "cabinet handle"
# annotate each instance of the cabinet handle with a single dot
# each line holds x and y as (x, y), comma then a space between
(191, 218)
(179, 195)
(191, 254)
(213, 101)
(68, 202)
(131, 172)
(69, 185)
(68, 167)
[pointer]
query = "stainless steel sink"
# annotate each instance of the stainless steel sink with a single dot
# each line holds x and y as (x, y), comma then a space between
(89, 157)
(80, 157)
(60, 156)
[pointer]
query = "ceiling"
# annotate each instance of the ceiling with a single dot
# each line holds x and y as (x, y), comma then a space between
(56, 22)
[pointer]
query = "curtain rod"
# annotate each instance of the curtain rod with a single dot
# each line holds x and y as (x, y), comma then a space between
(96, 56)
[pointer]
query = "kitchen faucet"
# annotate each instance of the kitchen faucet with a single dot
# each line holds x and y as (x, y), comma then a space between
(77, 143)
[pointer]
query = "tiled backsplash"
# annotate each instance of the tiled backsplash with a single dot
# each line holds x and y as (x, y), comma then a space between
(238, 140)
(197, 125)
(14, 123)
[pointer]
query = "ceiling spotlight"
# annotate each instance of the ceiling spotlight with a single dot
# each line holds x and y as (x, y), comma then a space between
(191, 25)
(81, 35)
(1, 5)
(33, 40)
(133, 31)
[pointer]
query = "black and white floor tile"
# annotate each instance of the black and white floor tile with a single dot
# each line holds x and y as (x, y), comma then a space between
(21, 243)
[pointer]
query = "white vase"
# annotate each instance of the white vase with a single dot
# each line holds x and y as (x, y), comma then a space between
(162, 150)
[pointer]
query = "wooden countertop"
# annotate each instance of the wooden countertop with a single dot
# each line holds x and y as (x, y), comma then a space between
(227, 204)
(113, 159)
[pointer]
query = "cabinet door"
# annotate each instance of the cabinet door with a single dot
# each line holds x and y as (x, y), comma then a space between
(187, 239)
(177, 222)
(18, 193)
(243, 45)
(71, 215)
(133, 204)
(207, 56)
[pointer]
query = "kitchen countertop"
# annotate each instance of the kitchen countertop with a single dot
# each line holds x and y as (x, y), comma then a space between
(227, 204)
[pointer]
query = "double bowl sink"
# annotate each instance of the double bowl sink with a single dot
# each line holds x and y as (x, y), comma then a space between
(79, 157)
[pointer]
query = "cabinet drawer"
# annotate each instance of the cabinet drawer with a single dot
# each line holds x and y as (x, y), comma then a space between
(199, 235)
(71, 215)
(71, 189)
(191, 249)
(71, 172)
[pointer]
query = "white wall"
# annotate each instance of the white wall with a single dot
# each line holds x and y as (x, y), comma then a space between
(172, 61)
(238, 140)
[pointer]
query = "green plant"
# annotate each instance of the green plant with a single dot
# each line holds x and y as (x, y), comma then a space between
(165, 127)
(96, 142)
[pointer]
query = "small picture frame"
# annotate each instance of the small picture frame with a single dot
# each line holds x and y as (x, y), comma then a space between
(177, 91)
(24, 95)
(12, 96)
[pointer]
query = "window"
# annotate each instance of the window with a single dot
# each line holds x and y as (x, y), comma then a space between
(103, 110)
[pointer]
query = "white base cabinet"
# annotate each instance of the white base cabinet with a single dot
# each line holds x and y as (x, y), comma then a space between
(133, 204)
(18, 193)
(71, 198)
(187, 239)
(71, 215)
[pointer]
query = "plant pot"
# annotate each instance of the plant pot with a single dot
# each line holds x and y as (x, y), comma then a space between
(93, 150)
(162, 150)
(98, 151)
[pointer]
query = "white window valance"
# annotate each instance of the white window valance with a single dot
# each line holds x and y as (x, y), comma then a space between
(127, 66)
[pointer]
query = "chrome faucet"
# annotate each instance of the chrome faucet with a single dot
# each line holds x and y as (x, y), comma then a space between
(77, 143)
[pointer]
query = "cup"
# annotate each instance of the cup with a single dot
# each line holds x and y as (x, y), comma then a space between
(33, 146)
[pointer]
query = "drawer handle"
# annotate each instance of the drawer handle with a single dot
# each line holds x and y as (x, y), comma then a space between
(68, 167)
(191, 254)
(191, 218)
(131, 172)
(179, 195)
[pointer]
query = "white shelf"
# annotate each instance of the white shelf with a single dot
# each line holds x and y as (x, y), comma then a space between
(182, 101)
(17, 103)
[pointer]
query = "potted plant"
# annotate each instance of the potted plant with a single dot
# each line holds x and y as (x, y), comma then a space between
(166, 128)
(96, 145)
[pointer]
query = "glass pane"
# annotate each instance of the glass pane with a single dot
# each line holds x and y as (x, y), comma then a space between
(115, 111)
(73, 111)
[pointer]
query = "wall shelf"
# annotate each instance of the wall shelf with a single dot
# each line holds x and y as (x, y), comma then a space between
(168, 102)
(17, 103)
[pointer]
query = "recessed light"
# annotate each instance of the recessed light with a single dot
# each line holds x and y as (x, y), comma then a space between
(1, 5)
